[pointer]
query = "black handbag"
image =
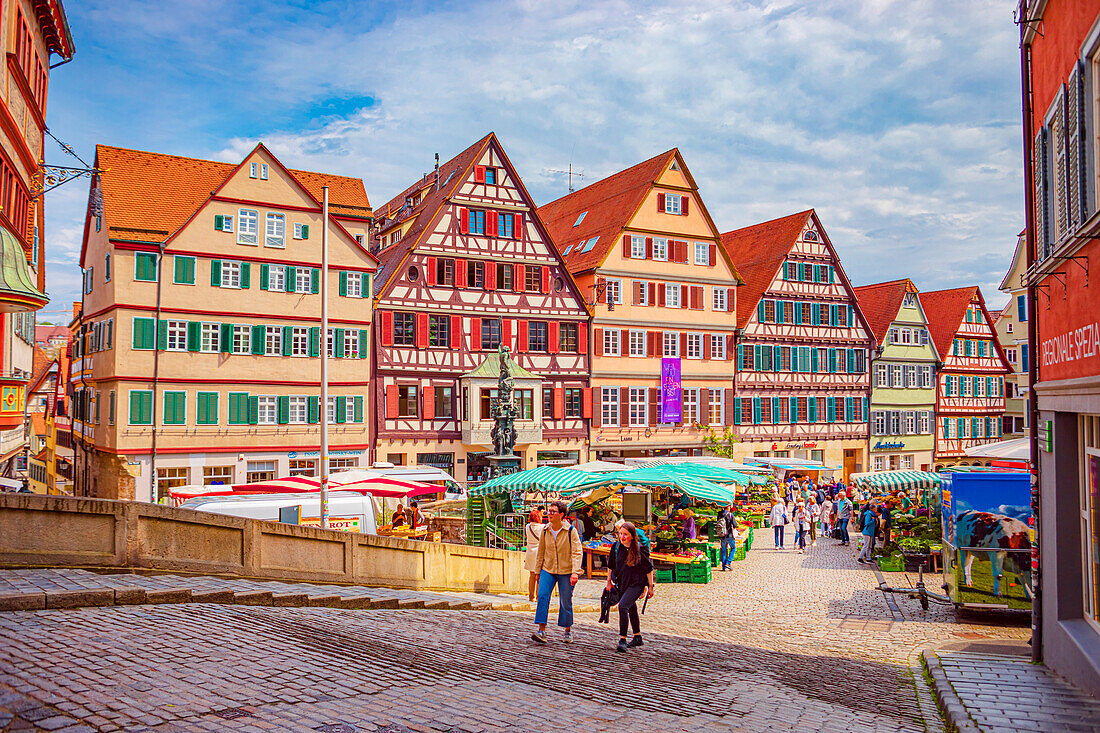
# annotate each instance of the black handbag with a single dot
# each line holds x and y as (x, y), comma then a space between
(609, 599)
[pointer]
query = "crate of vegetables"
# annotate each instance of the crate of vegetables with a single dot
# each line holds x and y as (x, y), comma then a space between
(663, 576)
(700, 572)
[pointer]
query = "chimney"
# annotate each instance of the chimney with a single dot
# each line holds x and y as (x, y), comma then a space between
(437, 171)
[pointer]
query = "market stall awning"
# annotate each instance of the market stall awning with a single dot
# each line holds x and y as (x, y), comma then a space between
(661, 477)
(543, 478)
(1017, 449)
(598, 467)
(711, 472)
(896, 480)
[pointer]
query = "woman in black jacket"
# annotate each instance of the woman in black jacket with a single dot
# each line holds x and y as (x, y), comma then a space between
(630, 570)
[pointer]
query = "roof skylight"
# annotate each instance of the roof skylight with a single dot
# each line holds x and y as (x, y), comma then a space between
(580, 218)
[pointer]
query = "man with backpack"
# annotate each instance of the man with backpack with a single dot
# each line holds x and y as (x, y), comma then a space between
(869, 521)
(727, 532)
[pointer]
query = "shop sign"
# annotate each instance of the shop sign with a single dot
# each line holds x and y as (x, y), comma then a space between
(795, 446)
(671, 399)
(1069, 331)
(344, 524)
(315, 454)
(883, 445)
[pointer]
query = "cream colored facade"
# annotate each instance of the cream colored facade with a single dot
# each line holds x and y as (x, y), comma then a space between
(1011, 329)
(183, 361)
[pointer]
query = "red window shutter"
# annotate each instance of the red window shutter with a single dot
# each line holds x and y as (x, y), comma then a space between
(518, 279)
(685, 294)
(559, 403)
(661, 296)
(427, 402)
(517, 226)
(475, 334)
(624, 407)
(463, 220)
(586, 402)
(652, 293)
(546, 279)
(391, 400)
(649, 248)
(713, 256)
(422, 330)
(730, 348)
(479, 174)
(654, 402)
(706, 346)
(456, 333)
(660, 202)
(490, 276)
(626, 246)
(677, 252)
(430, 274)
(683, 205)
(601, 290)
(491, 223)
(506, 333)
(521, 337)
(597, 335)
(552, 331)
(696, 297)
(653, 343)
(460, 273)
(582, 338)
(683, 344)
(704, 406)
(728, 417)
(387, 328)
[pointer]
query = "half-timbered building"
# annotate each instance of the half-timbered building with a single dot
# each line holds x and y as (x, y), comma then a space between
(970, 386)
(643, 247)
(802, 379)
(467, 265)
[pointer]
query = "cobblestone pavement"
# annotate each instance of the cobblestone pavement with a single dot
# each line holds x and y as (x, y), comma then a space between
(784, 642)
(996, 692)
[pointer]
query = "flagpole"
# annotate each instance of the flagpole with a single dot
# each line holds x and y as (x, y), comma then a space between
(324, 359)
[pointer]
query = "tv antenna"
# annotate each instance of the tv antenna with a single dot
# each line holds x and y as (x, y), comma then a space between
(570, 172)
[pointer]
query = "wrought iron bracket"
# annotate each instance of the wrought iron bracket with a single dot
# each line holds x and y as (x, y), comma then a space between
(600, 291)
(50, 177)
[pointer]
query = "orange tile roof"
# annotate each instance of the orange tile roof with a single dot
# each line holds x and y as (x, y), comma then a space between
(757, 252)
(38, 423)
(148, 196)
(945, 310)
(609, 203)
(880, 304)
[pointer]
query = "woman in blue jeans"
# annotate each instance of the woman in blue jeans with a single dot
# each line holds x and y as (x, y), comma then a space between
(631, 571)
(778, 520)
(558, 564)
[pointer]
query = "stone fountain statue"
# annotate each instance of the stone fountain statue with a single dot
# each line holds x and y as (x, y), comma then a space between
(504, 460)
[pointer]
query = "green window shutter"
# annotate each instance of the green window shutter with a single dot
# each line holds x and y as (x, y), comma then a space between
(258, 338)
(238, 408)
(794, 410)
(193, 335)
(740, 356)
(162, 335)
(737, 412)
(813, 360)
(288, 340)
(339, 345)
(143, 333)
(811, 411)
(226, 338)
(359, 409)
(341, 409)
(141, 407)
(830, 408)
(135, 407)
(343, 284)
(291, 278)
(183, 270)
(253, 410)
(365, 286)
(315, 409)
(315, 281)
(244, 275)
(219, 222)
(216, 273)
(798, 312)
(364, 335)
(207, 412)
(777, 358)
(314, 341)
(263, 275)
(283, 404)
(832, 361)
(175, 408)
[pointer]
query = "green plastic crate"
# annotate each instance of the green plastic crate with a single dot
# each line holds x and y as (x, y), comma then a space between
(712, 555)
(682, 572)
(891, 564)
(740, 553)
(701, 573)
(663, 576)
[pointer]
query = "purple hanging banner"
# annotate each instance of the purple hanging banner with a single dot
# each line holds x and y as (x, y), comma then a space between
(671, 403)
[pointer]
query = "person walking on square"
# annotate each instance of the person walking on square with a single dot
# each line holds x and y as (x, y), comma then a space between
(559, 565)
(727, 532)
(826, 515)
(801, 526)
(631, 571)
(870, 526)
(778, 520)
(814, 514)
(531, 533)
(843, 517)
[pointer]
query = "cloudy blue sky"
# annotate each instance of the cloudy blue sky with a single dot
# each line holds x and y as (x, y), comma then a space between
(896, 120)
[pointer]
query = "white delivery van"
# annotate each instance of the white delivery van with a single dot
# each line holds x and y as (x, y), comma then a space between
(348, 511)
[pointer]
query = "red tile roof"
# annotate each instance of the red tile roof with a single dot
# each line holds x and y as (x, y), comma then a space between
(945, 310)
(148, 196)
(880, 304)
(608, 206)
(451, 175)
(38, 423)
(758, 252)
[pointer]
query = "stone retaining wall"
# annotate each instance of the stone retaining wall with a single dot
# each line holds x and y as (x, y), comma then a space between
(60, 531)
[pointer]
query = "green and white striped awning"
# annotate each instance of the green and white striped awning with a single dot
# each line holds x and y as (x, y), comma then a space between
(709, 472)
(896, 480)
(544, 478)
(661, 477)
